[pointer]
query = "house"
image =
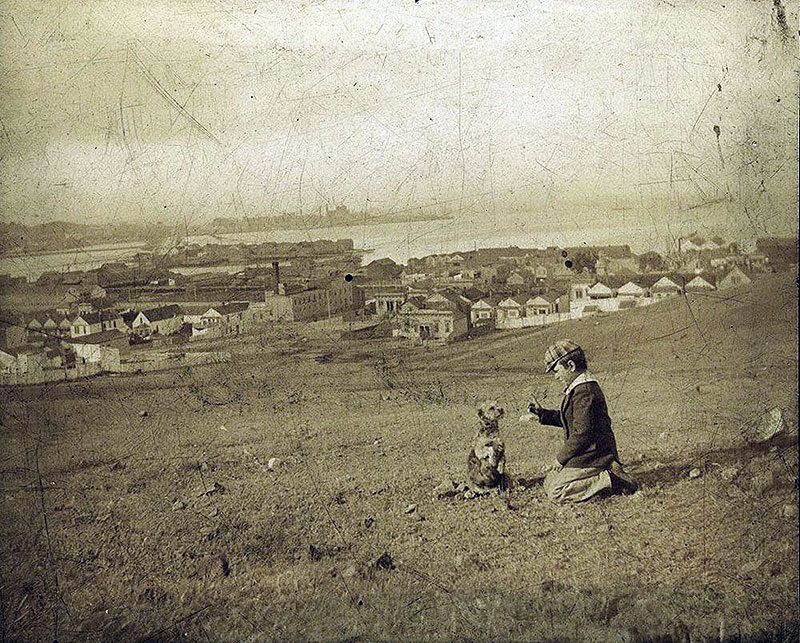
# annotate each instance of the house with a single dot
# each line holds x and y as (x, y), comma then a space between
(538, 305)
(435, 318)
(665, 287)
(483, 310)
(579, 290)
(389, 299)
(629, 290)
(228, 318)
(734, 279)
(85, 324)
(600, 291)
(510, 308)
(699, 284)
(111, 320)
(164, 320)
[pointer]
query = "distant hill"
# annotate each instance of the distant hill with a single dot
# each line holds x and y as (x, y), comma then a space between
(17, 238)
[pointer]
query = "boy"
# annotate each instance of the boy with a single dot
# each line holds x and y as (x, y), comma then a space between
(588, 462)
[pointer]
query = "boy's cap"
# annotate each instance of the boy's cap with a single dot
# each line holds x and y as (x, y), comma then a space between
(558, 351)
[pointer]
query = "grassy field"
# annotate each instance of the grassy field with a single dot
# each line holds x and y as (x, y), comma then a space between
(143, 507)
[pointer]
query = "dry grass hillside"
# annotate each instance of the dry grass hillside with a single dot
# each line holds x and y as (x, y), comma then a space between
(144, 508)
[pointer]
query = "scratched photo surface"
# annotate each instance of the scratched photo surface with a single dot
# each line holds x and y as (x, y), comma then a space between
(281, 281)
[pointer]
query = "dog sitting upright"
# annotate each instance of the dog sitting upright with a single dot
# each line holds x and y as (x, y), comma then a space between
(486, 462)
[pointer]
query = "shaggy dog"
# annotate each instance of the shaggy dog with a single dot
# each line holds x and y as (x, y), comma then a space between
(486, 462)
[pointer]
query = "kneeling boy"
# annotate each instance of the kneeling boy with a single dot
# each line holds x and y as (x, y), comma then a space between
(588, 462)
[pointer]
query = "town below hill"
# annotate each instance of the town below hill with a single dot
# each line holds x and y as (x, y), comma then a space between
(110, 317)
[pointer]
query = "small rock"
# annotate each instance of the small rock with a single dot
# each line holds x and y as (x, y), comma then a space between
(178, 505)
(411, 509)
(213, 489)
(225, 567)
(143, 414)
(350, 571)
(204, 466)
(384, 561)
(368, 522)
(772, 424)
(272, 463)
(728, 473)
(695, 473)
(789, 511)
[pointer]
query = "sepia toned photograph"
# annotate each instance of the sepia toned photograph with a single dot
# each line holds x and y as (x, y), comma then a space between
(399, 320)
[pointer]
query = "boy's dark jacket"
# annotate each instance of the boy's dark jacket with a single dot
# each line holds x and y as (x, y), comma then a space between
(588, 438)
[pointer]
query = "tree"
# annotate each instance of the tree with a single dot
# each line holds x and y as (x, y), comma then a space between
(651, 262)
(584, 259)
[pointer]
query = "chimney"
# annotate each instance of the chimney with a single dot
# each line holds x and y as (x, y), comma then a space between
(277, 273)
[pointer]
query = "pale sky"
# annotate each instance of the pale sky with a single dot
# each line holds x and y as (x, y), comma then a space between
(582, 111)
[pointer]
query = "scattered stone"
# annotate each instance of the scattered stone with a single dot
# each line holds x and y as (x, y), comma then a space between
(339, 498)
(204, 466)
(772, 424)
(178, 505)
(314, 553)
(143, 414)
(272, 463)
(384, 561)
(411, 509)
(368, 522)
(789, 511)
(695, 473)
(216, 488)
(350, 571)
(728, 473)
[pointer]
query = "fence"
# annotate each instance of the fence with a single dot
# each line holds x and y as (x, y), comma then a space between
(50, 375)
(534, 320)
(163, 361)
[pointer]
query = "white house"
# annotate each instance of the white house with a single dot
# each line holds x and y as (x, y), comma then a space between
(735, 278)
(630, 289)
(665, 287)
(510, 308)
(579, 290)
(698, 284)
(600, 291)
(164, 320)
(483, 310)
(538, 305)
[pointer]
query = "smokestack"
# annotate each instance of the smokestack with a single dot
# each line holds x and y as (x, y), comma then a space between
(277, 274)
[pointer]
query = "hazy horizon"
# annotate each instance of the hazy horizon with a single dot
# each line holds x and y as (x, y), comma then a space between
(650, 119)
